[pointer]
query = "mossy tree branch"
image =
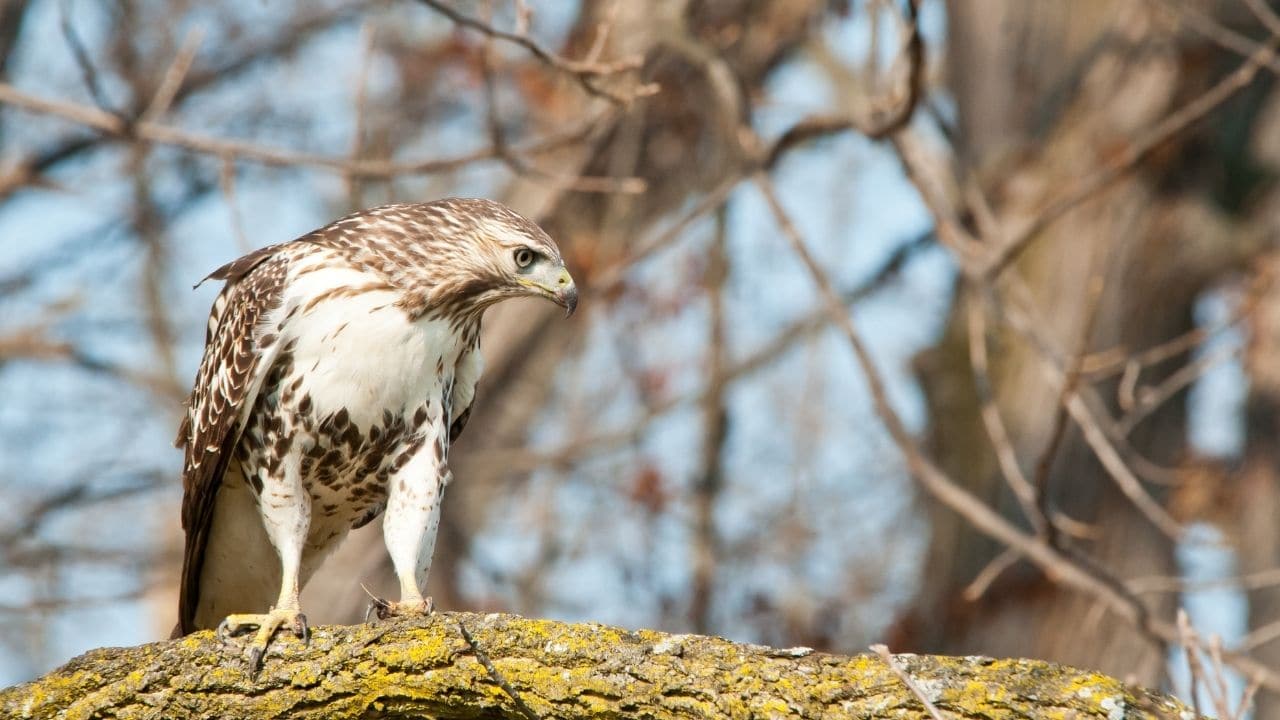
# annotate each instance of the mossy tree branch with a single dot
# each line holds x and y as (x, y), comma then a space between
(462, 665)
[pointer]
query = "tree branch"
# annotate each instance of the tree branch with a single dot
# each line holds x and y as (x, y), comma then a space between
(430, 668)
(584, 72)
(161, 134)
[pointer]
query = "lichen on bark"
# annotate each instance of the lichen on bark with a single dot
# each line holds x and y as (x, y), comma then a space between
(462, 665)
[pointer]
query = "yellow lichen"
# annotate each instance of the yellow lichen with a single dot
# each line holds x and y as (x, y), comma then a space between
(427, 668)
(305, 675)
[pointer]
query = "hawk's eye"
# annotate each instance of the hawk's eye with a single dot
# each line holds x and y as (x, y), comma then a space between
(524, 257)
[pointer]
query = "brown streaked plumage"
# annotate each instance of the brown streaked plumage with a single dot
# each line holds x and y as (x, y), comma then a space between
(338, 368)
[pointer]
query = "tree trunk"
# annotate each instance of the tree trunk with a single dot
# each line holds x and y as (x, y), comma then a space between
(1047, 92)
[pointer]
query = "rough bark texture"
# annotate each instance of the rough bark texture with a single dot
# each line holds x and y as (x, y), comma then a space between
(432, 667)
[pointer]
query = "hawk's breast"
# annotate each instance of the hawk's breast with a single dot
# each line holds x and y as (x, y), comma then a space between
(357, 388)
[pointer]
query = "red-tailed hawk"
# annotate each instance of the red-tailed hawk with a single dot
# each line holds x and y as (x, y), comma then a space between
(337, 369)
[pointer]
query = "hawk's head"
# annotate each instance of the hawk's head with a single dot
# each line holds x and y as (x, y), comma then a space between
(495, 253)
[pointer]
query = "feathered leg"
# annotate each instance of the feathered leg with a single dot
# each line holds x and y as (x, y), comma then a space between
(410, 525)
(286, 514)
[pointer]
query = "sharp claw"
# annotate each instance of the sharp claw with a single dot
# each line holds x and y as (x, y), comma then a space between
(385, 609)
(267, 625)
(379, 608)
(226, 630)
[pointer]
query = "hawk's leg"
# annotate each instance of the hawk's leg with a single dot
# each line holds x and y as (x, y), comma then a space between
(286, 514)
(409, 529)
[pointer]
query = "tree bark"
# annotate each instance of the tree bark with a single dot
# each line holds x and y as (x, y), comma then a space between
(464, 665)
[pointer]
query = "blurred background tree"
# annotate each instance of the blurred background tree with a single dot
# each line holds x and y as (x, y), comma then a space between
(1051, 221)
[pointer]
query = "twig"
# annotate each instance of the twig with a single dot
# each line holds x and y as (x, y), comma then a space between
(1021, 319)
(1246, 700)
(584, 72)
(173, 77)
(811, 128)
(1006, 456)
(1265, 14)
(709, 479)
(1108, 362)
(978, 587)
(520, 166)
(1148, 399)
(227, 182)
(613, 276)
(1214, 683)
(368, 38)
(524, 15)
(1226, 37)
(905, 677)
(1219, 677)
(78, 494)
(1162, 583)
(1186, 638)
(885, 126)
(876, 128)
(574, 67)
(932, 181)
(602, 30)
(1059, 428)
(496, 676)
(1259, 636)
(32, 342)
(88, 71)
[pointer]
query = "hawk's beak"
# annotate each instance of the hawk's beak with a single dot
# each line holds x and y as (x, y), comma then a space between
(566, 293)
(556, 284)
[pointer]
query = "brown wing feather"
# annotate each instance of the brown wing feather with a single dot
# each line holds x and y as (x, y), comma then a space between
(224, 385)
(462, 414)
(459, 423)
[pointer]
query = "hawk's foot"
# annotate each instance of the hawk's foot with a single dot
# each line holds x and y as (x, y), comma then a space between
(387, 609)
(267, 624)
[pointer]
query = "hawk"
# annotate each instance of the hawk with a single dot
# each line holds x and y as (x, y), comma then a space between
(338, 368)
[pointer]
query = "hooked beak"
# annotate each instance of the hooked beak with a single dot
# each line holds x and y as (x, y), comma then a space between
(559, 288)
(568, 298)
(566, 293)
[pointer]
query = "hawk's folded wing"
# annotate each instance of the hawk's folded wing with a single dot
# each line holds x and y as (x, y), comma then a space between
(226, 387)
(470, 365)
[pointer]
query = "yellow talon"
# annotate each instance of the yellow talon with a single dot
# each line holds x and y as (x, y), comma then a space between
(267, 624)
